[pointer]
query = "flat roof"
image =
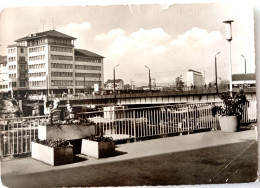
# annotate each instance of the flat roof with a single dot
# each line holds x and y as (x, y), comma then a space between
(242, 77)
(190, 70)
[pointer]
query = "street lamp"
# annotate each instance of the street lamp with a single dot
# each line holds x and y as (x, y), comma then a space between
(245, 70)
(150, 86)
(245, 62)
(229, 38)
(216, 72)
(114, 71)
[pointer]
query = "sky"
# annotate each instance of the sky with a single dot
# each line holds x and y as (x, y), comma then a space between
(169, 39)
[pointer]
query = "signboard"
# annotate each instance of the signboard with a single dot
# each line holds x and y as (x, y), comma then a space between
(96, 88)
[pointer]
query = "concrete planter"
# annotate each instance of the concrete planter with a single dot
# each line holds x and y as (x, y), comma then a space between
(66, 132)
(53, 156)
(97, 149)
(228, 123)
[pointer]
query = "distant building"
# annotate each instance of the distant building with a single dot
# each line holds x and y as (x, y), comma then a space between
(194, 78)
(240, 79)
(48, 61)
(119, 84)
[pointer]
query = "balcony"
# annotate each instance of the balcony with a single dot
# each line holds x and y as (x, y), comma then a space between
(22, 62)
(25, 70)
(23, 79)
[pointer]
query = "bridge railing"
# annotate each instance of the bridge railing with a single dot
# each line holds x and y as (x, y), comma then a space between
(124, 123)
(152, 121)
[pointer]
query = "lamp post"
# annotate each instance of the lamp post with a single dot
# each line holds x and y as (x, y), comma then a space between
(216, 72)
(245, 69)
(114, 71)
(150, 86)
(229, 38)
(244, 61)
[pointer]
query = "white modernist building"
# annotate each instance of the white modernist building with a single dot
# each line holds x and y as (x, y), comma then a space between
(48, 62)
(195, 78)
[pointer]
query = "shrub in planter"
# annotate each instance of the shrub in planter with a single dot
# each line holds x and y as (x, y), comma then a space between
(230, 114)
(67, 129)
(98, 146)
(53, 152)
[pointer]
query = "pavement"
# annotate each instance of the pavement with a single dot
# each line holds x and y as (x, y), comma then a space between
(202, 158)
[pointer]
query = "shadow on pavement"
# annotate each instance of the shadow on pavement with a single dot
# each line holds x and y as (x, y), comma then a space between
(232, 163)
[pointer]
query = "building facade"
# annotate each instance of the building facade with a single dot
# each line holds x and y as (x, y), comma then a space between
(4, 80)
(119, 84)
(248, 79)
(195, 78)
(47, 62)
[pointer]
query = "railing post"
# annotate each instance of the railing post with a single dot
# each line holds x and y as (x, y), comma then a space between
(188, 120)
(134, 125)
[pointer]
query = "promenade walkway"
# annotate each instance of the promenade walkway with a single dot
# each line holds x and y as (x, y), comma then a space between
(202, 158)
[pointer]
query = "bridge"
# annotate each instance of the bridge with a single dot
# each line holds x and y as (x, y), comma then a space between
(135, 99)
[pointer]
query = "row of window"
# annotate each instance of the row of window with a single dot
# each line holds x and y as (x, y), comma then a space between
(87, 83)
(37, 57)
(22, 67)
(22, 59)
(61, 66)
(62, 74)
(12, 67)
(22, 84)
(11, 50)
(87, 67)
(87, 59)
(22, 75)
(93, 75)
(63, 41)
(3, 86)
(61, 49)
(37, 42)
(11, 59)
(37, 74)
(12, 84)
(62, 57)
(62, 83)
(12, 75)
(37, 83)
(37, 66)
(37, 49)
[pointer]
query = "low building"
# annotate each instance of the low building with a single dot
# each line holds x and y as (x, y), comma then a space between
(241, 79)
(119, 84)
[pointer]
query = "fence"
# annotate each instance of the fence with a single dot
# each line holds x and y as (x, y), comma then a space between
(124, 123)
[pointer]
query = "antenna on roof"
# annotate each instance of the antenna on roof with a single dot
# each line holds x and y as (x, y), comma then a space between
(52, 23)
(42, 21)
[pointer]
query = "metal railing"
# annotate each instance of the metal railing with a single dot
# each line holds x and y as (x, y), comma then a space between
(124, 123)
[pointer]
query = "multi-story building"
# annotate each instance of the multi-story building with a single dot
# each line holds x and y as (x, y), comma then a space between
(88, 66)
(194, 78)
(3, 75)
(48, 62)
(17, 68)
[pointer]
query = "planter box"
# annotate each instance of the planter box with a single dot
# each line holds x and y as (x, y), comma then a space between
(228, 123)
(66, 132)
(52, 156)
(97, 149)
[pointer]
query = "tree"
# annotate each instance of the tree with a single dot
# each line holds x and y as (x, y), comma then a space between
(179, 83)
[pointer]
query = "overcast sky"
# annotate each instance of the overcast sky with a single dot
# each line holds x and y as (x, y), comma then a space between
(168, 39)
